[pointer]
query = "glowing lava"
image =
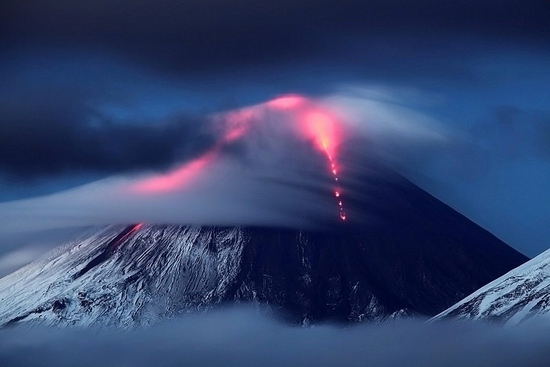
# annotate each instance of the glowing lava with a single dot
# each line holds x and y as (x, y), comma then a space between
(321, 127)
(337, 191)
(314, 122)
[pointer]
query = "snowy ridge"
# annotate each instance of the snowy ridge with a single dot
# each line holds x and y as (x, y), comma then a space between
(515, 297)
(156, 272)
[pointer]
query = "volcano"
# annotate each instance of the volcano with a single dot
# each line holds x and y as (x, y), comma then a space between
(401, 253)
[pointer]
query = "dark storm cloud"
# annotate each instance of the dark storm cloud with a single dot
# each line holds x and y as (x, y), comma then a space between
(213, 35)
(67, 137)
(242, 338)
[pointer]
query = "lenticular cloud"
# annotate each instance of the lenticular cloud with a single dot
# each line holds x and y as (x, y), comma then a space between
(282, 162)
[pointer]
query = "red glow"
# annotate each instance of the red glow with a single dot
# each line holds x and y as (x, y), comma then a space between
(236, 125)
(322, 128)
(287, 102)
(313, 121)
(176, 179)
(235, 134)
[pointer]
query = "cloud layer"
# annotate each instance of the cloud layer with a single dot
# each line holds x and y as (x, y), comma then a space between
(243, 338)
(264, 165)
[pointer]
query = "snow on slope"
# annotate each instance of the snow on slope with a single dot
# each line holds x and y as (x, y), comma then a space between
(157, 271)
(128, 276)
(515, 297)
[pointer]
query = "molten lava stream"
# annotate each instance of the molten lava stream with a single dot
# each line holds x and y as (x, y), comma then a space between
(337, 190)
(324, 130)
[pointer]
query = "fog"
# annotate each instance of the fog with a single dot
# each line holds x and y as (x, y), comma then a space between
(243, 337)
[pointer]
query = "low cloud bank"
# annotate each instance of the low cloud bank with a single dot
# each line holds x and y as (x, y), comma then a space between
(240, 337)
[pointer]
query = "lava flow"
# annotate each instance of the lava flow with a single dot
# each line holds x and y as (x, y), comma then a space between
(323, 128)
(337, 191)
(320, 126)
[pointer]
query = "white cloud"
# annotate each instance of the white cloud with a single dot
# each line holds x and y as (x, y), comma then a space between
(242, 338)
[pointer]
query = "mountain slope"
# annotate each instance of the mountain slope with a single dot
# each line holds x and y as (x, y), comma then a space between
(513, 298)
(401, 252)
(150, 272)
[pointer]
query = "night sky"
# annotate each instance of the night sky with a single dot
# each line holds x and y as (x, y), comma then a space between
(457, 91)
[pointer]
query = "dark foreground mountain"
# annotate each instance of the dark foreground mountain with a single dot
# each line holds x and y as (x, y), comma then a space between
(514, 298)
(406, 253)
